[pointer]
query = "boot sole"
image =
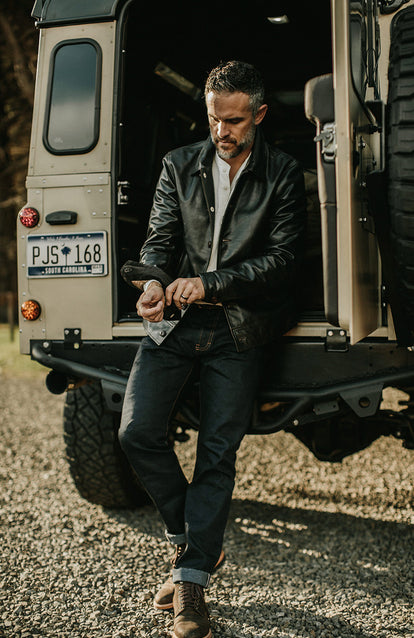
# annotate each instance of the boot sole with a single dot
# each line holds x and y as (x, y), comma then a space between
(169, 606)
(166, 607)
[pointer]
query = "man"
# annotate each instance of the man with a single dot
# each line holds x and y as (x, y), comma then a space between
(227, 226)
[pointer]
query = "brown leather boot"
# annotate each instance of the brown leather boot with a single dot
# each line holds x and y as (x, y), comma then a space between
(164, 597)
(191, 618)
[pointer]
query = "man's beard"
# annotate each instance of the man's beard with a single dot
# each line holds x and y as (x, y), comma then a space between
(244, 143)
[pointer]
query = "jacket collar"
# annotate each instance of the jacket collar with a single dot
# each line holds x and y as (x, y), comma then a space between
(257, 164)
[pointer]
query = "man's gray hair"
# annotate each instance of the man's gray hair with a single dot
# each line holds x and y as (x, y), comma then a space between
(234, 76)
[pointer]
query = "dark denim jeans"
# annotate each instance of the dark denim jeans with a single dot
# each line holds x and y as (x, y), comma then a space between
(195, 512)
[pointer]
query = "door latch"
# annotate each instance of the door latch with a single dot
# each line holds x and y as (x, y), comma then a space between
(327, 138)
(123, 196)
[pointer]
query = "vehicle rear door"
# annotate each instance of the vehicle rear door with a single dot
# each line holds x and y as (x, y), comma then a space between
(358, 151)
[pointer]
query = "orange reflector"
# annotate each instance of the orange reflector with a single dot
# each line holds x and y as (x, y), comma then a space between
(31, 310)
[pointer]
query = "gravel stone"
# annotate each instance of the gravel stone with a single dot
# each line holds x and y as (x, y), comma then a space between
(313, 549)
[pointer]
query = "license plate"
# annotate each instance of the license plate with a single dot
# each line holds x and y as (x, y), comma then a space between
(67, 255)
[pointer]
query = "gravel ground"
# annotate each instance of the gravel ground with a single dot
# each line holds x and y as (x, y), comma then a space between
(313, 550)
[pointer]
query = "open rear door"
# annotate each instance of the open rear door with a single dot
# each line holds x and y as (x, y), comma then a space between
(358, 151)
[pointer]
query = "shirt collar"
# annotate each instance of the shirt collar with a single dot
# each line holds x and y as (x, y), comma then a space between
(224, 166)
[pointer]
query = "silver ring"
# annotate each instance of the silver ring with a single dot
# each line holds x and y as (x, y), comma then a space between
(184, 297)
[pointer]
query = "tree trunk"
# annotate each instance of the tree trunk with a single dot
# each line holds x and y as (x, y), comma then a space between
(23, 77)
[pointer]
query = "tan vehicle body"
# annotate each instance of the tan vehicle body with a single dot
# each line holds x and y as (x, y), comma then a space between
(81, 183)
(83, 307)
(84, 184)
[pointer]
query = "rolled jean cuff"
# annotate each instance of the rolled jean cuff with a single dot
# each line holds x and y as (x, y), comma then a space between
(190, 575)
(176, 539)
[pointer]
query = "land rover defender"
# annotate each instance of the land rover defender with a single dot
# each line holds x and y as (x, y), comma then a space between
(118, 85)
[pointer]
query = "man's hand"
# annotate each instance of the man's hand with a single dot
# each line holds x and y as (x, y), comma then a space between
(150, 305)
(184, 291)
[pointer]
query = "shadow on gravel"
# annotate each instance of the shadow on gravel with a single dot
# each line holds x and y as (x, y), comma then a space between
(144, 520)
(294, 618)
(358, 551)
(315, 530)
(321, 561)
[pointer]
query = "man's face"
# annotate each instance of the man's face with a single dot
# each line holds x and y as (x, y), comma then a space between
(231, 121)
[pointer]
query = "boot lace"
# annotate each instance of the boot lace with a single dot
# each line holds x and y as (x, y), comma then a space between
(179, 551)
(190, 595)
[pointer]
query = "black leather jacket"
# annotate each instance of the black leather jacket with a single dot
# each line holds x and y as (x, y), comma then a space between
(261, 240)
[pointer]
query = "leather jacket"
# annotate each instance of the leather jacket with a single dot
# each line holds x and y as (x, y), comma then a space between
(261, 241)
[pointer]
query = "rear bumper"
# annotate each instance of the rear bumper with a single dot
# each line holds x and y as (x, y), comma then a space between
(301, 374)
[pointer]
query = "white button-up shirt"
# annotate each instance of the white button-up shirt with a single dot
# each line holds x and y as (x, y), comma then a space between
(222, 191)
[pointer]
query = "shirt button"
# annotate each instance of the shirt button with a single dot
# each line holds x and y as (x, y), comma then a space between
(162, 333)
(212, 209)
(209, 244)
(204, 175)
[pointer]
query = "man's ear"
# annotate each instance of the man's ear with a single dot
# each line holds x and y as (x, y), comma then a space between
(260, 114)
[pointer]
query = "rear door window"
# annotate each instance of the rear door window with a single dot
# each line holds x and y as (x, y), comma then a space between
(73, 106)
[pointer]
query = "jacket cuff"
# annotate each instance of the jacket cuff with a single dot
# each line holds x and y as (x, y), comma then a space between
(211, 288)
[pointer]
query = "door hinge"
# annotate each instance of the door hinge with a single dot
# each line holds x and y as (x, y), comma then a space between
(72, 339)
(336, 340)
(367, 223)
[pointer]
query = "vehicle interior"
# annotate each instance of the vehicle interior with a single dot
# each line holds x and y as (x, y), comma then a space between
(168, 54)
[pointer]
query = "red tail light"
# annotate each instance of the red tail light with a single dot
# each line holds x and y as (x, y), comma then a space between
(29, 216)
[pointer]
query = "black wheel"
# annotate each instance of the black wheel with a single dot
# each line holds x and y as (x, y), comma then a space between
(400, 154)
(97, 464)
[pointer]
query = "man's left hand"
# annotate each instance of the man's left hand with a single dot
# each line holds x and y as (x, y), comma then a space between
(184, 291)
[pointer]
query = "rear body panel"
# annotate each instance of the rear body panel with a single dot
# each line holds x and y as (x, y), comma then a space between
(80, 183)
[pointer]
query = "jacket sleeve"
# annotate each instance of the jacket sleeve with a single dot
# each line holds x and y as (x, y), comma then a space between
(264, 274)
(163, 245)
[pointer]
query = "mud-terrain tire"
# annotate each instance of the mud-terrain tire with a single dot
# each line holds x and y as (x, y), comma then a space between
(98, 466)
(400, 154)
